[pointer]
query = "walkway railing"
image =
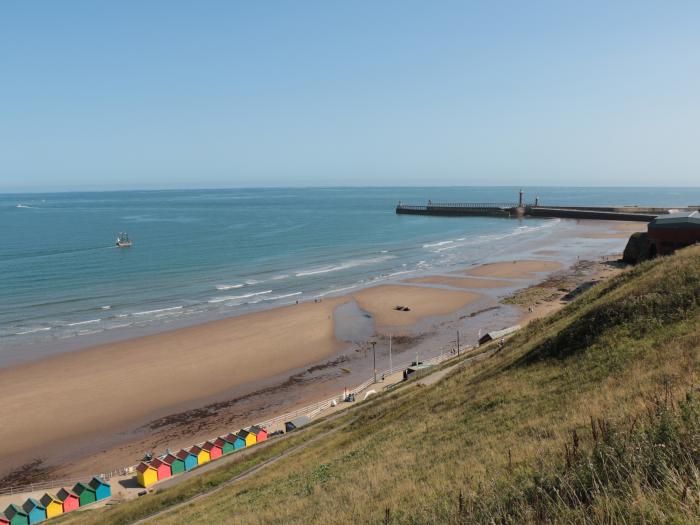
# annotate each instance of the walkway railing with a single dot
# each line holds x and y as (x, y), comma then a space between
(481, 205)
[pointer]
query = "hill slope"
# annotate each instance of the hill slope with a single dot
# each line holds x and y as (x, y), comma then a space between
(588, 416)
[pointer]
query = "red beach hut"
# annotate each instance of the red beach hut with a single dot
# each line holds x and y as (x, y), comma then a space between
(4, 520)
(163, 468)
(69, 499)
(260, 433)
(215, 451)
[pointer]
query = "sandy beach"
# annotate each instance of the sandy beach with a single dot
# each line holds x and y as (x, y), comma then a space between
(98, 409)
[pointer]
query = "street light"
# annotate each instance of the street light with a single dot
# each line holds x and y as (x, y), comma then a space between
(374, 358)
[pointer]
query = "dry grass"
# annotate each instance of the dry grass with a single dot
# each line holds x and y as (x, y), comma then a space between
(511, 440)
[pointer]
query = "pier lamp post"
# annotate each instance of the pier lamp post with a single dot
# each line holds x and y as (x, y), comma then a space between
(374, 358)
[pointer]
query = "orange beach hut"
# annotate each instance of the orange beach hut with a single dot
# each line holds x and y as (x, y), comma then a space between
(53, 505)
(146, 475)
(202, 455)
(215, 451)
(260, 433)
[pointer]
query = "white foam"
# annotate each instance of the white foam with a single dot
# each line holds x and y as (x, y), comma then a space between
(160, 310)
(344, 266)
(337, 290)
(91, 321)
(106, 307)
(435, 244)
(275, 297)
(34, 330)
(251, 282)
(23, 206)
(236, 297)
(228, 286)
(279, 277)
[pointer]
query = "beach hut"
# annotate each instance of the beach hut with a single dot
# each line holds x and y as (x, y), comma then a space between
(4, 520)
(296, 423)
(248, 437)
(202, 455)
(16, 516)
(102, 489)
(238, 441)
(260, 433)
(53, 505)
(162, 468)
(146, 475)
(69, 499)
(215, 451)
(35, 510)
(86, 494)
(225, 445)
(189, 459)
(177, 465)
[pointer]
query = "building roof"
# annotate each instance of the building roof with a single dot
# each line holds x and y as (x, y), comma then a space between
(210, 445)
(47, 499)
(221, 441)
(13, 509)
(143, 467)
(182, 454)
(64, 494)
(255, 429)
(195, 449)
(78, 488)
(169, 459)
(677, 219)
(158, 462)
(95, 482)
(31, 504)
(300, 421)
(232, 437)
(244, 433)
(496, 334)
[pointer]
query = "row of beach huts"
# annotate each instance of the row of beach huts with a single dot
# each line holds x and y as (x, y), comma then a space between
(171, 464)
(50, 506)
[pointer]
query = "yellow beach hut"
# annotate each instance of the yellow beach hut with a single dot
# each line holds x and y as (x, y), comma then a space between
(203, 456)
(248, 437)
(54, 506)
(146, 475)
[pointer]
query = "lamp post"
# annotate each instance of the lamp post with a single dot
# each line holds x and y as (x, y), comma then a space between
(374, 358)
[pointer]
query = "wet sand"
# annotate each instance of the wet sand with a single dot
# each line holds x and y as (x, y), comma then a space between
(460, 282)
(514, 269)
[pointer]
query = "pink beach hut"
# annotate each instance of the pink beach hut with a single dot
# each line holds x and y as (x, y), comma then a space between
(215, 451)
(163, 468)
(69, 499)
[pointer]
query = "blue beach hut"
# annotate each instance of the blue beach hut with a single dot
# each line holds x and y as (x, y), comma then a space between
(189, 459)
(101, 487)
(237, 440)
(35, 511)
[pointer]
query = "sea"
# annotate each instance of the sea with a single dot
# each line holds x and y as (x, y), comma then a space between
(200, 255)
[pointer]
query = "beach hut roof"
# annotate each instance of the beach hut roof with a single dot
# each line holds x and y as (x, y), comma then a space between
(143, 467)
(31, 504)
(210, 445)
(497, 334)
(81, 487)
(64, 494)
(47, 499)
(243, 433)
(3, 518)
(158, 462)
(231, 437)
(13, 509)
(169, 459)
(195, 449)
(221, 441)
(182, 454)
(96, 482)
(255, 429)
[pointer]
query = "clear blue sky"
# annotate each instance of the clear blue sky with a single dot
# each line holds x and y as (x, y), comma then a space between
(98, 94)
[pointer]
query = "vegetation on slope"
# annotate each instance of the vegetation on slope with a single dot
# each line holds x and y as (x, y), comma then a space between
(588, 416)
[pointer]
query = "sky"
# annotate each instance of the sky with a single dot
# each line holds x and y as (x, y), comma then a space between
(150, 94)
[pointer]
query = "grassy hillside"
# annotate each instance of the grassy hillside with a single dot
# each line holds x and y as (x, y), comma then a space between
(589, 416)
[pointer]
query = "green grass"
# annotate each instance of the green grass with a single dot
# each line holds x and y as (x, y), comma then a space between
(589, 416)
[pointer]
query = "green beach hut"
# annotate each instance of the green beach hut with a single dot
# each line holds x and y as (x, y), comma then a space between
(16, 515)
(177, 466)
(86, 494)
(225, 445)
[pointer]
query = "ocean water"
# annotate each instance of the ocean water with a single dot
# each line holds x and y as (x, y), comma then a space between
(207, 254)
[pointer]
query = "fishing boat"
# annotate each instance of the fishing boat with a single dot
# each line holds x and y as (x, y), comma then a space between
(123, 240)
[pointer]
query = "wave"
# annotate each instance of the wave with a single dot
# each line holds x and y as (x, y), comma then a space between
(24, 206)
(91, 321)
(279, 277)
(106, 307)
(337, 290)
(228, 286)
(344, 266)
(34, 330)
(252, 282)
(436, 244)
(275, 297)
(160, 310)
(235, 297)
